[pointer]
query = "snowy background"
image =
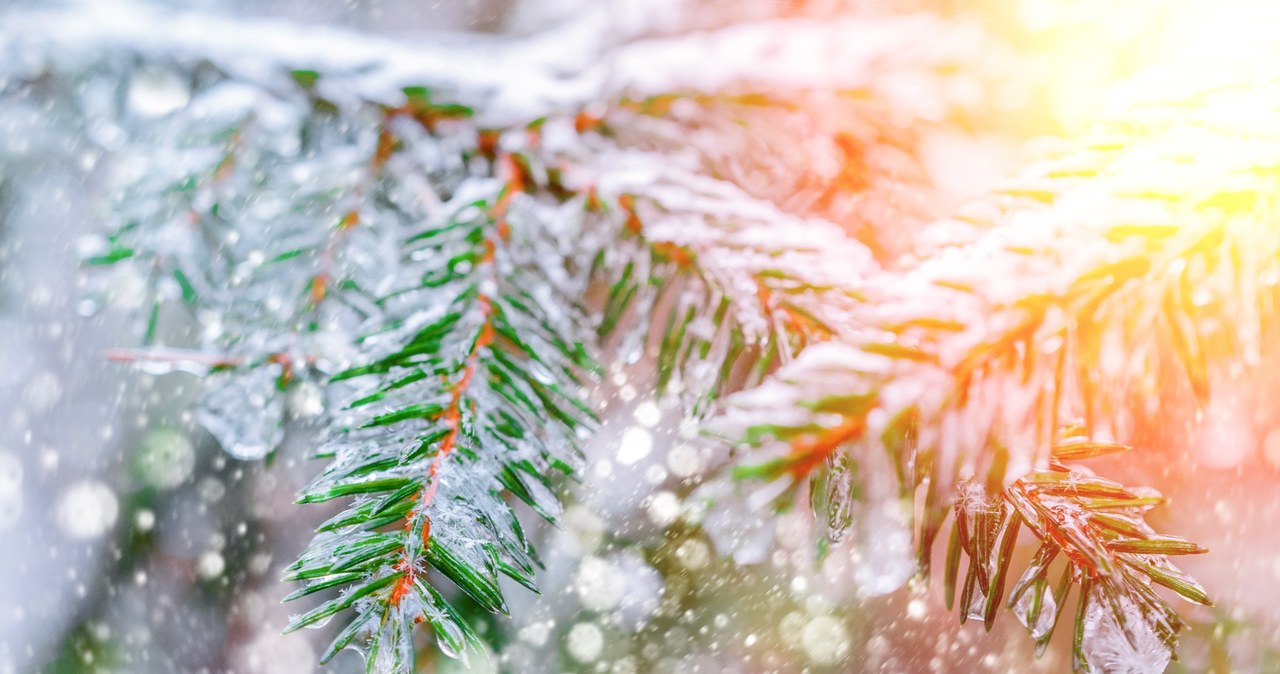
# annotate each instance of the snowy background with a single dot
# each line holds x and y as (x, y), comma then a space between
(131, 542)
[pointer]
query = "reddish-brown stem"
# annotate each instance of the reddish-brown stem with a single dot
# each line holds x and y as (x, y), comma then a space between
(452, 415)
(173, 356)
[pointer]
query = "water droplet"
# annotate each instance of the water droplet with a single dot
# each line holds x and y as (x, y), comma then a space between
(88, 307)
(165, 458)
(684, 460)
(87, 510)
(824, 640)
(585, 642)
(978, 607)
(536, 633)
(647, 414)
(156, 92)
(210, 565)
(663, 508)
(598, 584)
(693, 554)
(636, 443)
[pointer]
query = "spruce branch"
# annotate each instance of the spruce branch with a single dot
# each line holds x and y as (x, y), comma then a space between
(481, 400)
(460, 237)
(1103, 256)
(1155, 221)
(1096, 524)
(727, 286)
(474, 397)
(723, 226)
(272, 226)
(859, 167)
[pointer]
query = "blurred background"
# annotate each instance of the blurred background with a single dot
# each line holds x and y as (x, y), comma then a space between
(129, 542)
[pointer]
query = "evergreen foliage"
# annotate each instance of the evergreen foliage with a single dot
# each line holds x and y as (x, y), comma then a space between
(448, 276)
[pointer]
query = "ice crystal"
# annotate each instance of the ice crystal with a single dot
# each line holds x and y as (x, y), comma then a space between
(243, 412)
(1044, 619)
(1112, 648)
